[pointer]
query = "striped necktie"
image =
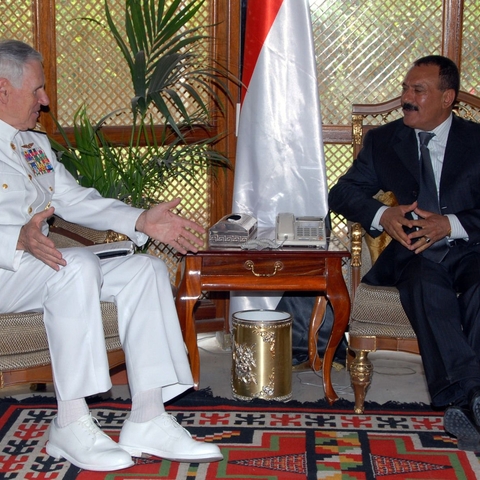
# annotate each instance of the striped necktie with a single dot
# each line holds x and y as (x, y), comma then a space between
(428, 196)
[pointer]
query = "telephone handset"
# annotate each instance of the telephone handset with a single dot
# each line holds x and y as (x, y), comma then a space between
(285, 226)
(301, 231)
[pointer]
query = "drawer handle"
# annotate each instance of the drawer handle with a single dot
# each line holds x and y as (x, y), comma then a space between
(277, 266)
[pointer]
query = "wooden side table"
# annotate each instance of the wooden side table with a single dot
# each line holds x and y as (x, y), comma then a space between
(285, 269)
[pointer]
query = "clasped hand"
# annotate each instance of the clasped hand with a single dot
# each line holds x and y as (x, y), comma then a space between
(428, 228)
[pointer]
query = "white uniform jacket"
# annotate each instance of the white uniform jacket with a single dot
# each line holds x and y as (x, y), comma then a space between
(32, 180)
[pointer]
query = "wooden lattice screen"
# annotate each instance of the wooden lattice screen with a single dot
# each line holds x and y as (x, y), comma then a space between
(363, 51)
(91, 71)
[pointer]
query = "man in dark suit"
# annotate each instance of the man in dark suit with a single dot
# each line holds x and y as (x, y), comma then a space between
(434, 258)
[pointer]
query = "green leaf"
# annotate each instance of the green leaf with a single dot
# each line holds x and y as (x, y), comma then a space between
(166, 51)
(139, 78)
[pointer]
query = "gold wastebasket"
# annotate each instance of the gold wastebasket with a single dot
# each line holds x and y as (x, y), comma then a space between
(262, 355)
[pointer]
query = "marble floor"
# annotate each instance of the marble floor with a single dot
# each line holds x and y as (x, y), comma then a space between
(397, 376)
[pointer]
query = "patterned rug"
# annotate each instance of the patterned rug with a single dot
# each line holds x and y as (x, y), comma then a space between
(259, 440)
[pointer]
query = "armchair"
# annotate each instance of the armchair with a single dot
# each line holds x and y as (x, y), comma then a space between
(378, 321)
(24, 354)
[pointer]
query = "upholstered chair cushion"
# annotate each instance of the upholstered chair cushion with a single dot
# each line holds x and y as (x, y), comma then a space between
(24, 344)
(23, 339)
(377, 311)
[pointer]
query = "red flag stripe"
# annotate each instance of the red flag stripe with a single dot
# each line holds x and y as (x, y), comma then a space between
(260, 17)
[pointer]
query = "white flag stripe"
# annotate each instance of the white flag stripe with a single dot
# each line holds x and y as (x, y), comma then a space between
(280, 164)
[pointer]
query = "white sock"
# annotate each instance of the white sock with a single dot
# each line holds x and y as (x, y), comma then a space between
(70, 411)
(147, 405)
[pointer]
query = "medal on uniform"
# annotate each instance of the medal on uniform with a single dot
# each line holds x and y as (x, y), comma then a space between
(37, 159)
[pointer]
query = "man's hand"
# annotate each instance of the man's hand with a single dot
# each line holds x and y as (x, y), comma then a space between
(431, 227)
(163, 225)
(393, 220)
(33, 241)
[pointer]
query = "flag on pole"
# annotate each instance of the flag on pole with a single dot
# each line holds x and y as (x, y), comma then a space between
(280, 164)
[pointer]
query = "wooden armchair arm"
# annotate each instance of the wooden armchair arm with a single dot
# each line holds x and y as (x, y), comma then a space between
(356, 256)
(66, 232)
(375, 246)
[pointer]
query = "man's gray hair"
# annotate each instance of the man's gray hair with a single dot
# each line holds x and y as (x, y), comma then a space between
(14, 54)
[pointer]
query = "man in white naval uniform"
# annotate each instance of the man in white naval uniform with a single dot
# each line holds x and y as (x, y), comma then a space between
(68, 285)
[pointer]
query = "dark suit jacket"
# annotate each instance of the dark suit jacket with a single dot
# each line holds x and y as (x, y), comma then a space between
(389, 161)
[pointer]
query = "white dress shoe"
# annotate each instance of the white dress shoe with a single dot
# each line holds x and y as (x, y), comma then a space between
(84, 445)
(165, 438)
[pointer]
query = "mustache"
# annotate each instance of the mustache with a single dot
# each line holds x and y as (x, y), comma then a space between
(409, 107)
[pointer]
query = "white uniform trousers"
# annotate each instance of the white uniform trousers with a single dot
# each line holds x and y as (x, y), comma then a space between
(70, 299)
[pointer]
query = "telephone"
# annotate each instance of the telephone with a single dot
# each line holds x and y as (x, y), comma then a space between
(301, 231)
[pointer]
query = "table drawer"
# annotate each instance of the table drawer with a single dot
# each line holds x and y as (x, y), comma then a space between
(257, 266)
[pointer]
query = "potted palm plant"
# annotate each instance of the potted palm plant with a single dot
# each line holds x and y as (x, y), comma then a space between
(175, 89)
